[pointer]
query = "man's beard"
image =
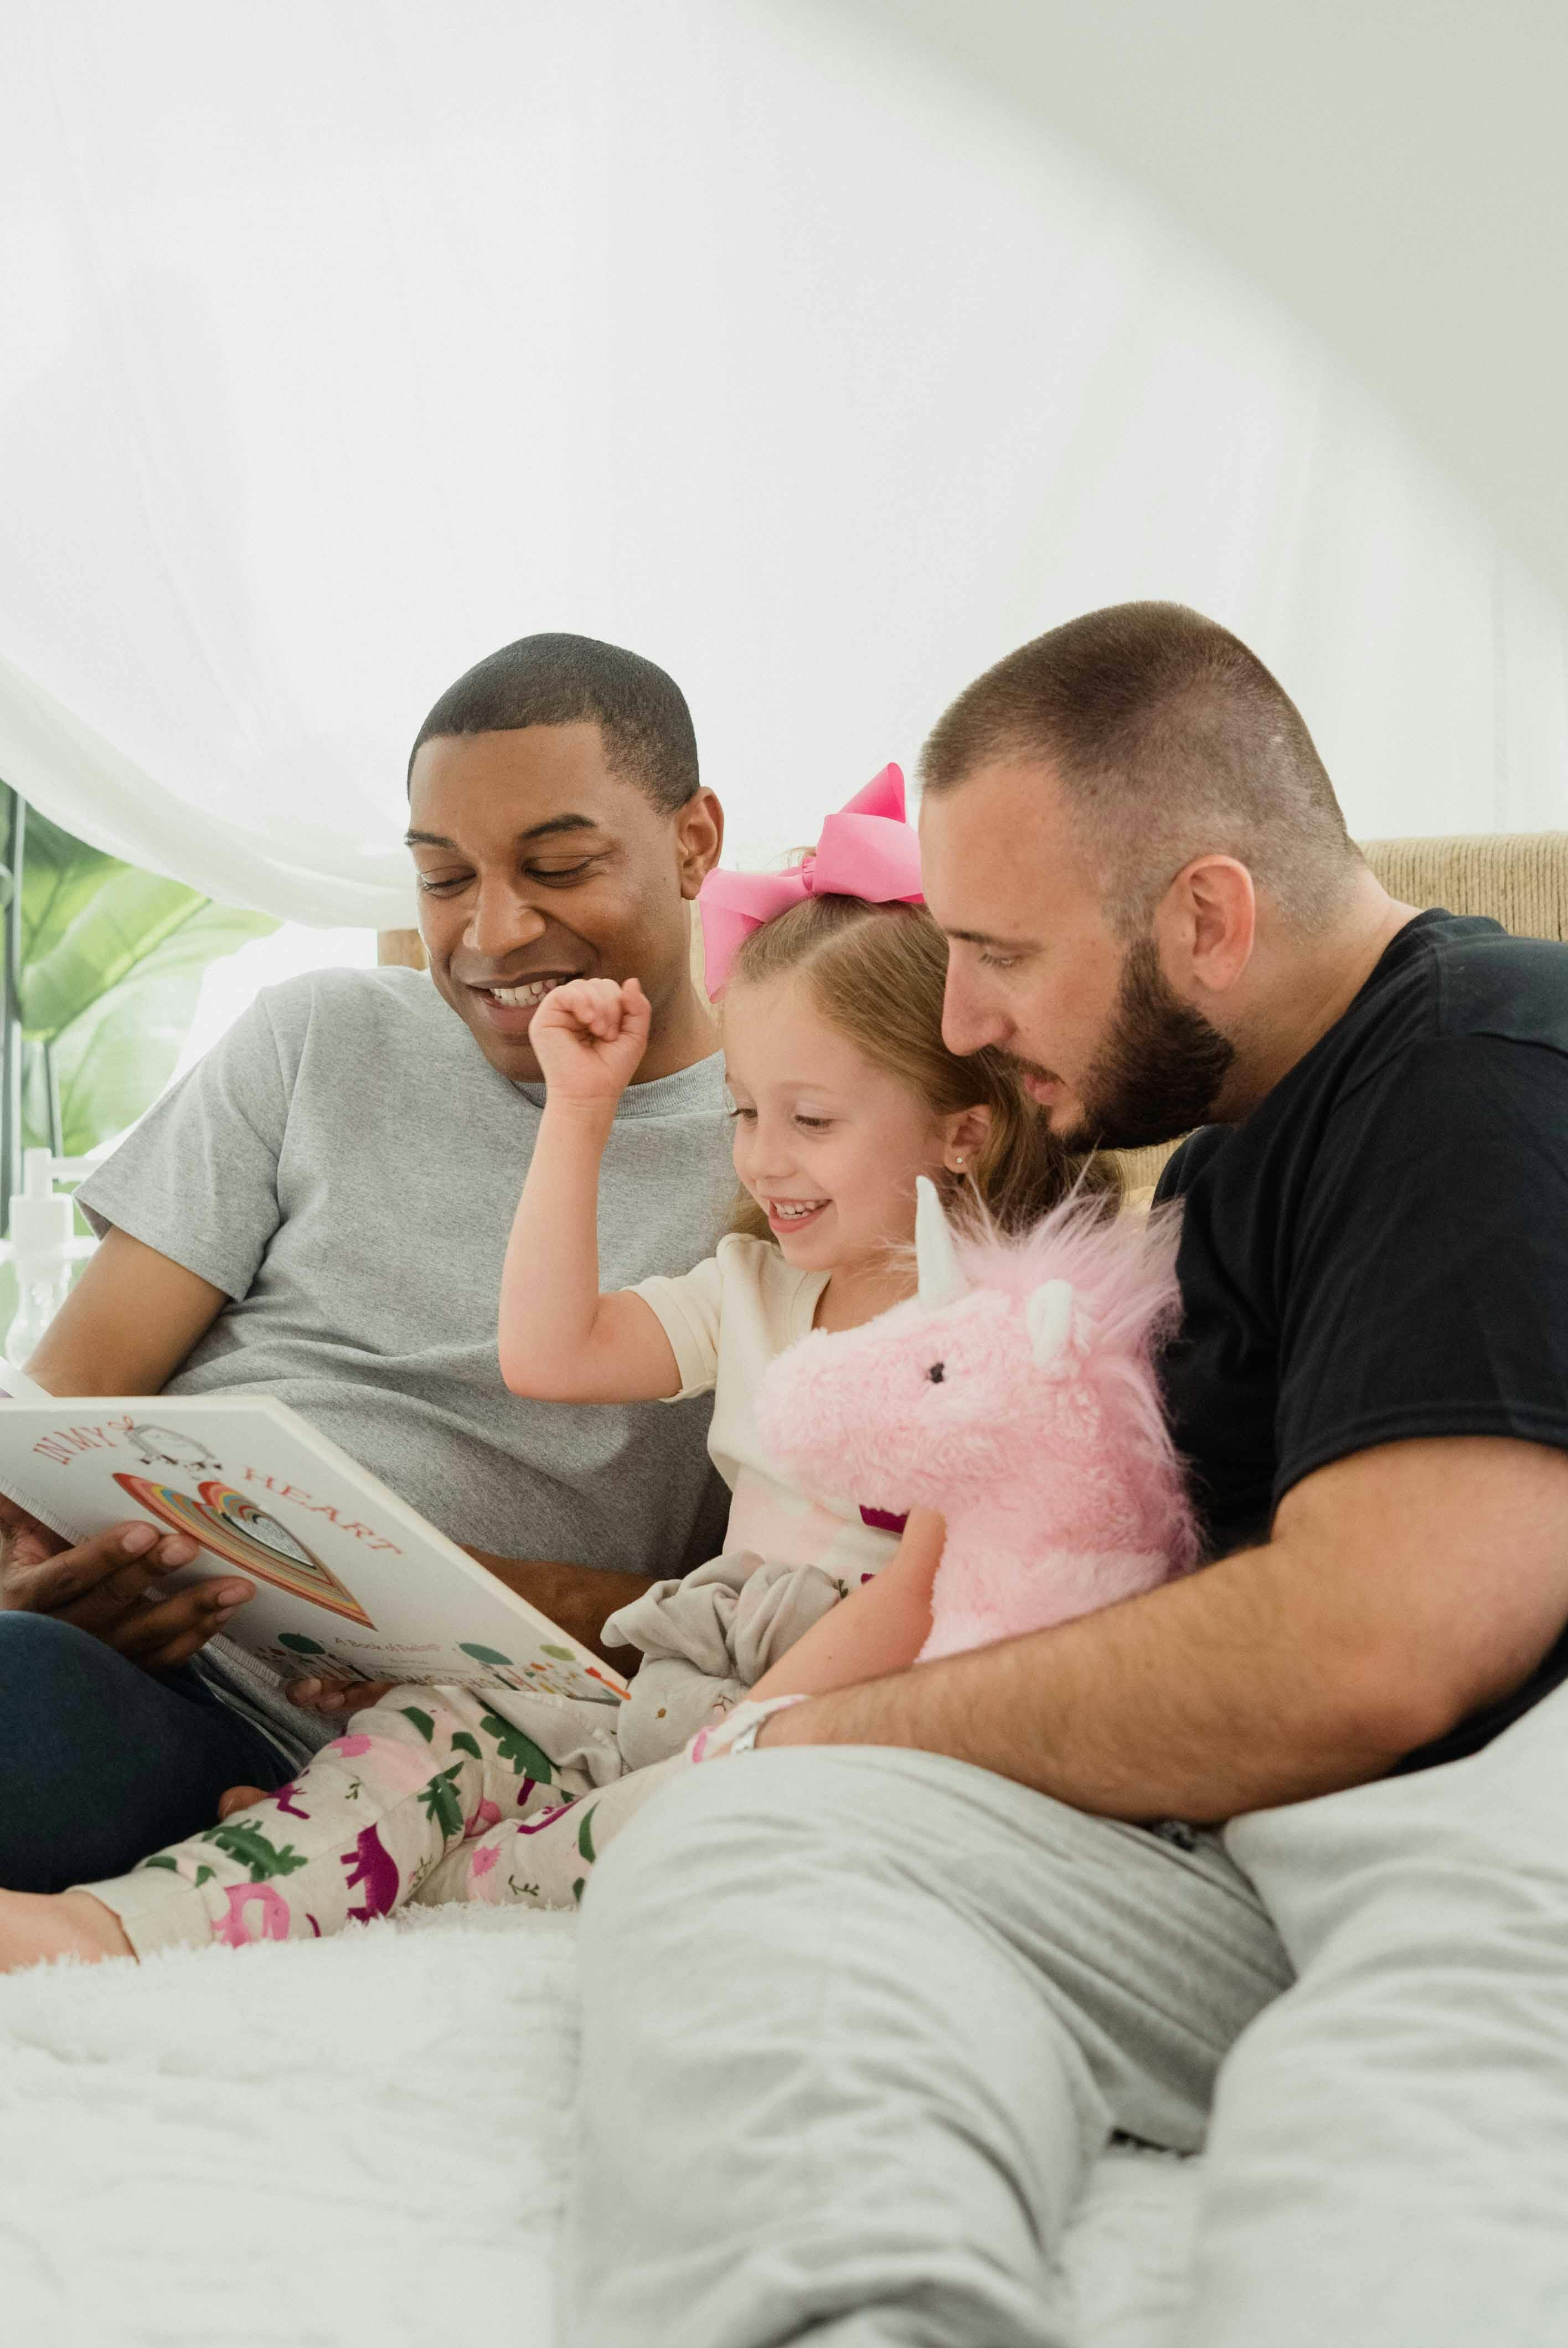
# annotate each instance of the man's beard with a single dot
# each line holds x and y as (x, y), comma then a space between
(1158, 1072)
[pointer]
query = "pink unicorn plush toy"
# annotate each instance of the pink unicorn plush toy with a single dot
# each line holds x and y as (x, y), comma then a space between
(1015, 1393)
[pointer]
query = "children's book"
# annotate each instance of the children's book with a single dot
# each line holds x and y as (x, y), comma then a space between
(349, 1579)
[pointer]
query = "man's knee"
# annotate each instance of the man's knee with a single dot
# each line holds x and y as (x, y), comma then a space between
(62, 1696)
(739, 1828)
(797, 1825)
(39, 1637)
(49, 1668)
(692, 1826)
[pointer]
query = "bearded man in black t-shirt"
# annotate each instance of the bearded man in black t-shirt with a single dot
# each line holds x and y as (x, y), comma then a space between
(1294, 1828)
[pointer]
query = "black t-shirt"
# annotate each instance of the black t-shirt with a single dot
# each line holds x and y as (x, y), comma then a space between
(1381, 1250)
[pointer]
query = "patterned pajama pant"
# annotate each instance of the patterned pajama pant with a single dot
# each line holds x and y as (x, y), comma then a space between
(431, 1795)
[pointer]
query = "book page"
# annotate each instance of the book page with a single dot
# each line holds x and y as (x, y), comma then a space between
(348, 1577)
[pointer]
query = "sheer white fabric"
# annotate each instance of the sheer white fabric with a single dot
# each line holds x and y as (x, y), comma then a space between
(345, 343)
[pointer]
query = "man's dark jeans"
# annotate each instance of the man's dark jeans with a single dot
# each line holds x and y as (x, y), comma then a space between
(102, 1763)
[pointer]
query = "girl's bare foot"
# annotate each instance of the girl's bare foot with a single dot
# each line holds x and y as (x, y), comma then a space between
(37, 1924)
(239, 1798)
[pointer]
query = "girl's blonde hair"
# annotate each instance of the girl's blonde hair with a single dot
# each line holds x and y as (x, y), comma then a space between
(878, 974)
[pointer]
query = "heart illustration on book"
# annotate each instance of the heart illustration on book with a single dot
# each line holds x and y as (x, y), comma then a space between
(243, 1535)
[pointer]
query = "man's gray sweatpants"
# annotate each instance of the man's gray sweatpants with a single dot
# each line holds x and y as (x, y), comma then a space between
(856, 2021)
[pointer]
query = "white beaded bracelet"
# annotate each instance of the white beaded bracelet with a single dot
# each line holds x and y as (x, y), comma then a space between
(737, 1732)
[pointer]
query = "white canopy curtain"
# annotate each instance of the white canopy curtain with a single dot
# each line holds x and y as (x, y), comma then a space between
(344, 343)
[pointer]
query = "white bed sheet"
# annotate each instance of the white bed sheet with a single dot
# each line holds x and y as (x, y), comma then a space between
(313, 2146)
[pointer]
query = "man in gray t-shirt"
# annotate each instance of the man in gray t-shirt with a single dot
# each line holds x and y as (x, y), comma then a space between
(346, 1165)
(321, 1211)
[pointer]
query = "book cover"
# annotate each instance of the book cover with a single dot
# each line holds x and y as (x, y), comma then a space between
(348, 1577)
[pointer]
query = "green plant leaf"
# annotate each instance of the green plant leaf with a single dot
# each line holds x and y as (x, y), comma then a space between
(86, 921)
(59, 876)
(117, 1053)
(112, 962)
(35, 1098)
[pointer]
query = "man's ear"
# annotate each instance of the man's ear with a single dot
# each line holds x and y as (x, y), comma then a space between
(1206, 925)
(963, 1136)
(699, 838)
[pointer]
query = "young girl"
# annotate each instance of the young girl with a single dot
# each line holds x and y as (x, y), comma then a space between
(842, 1094)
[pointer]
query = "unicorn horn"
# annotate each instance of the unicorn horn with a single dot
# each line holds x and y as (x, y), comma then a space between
(1047, 1315)
(936, 1258)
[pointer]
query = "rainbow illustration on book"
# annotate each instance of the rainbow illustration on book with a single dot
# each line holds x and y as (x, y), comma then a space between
(245, 1536)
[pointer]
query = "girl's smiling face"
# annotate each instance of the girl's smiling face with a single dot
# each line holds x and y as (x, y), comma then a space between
(827, 1143)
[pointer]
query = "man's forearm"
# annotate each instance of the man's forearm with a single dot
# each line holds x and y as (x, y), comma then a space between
(580, 1598)
(1197, 1701)
(1404, 1589)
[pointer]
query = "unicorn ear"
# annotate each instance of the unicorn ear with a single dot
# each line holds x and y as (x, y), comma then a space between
(936, 1258)
(1047, 1315)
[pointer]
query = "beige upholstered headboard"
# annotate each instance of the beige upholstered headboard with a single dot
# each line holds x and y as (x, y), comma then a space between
(1519, 878)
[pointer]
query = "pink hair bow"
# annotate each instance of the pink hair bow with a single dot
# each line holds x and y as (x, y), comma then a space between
(867, 849)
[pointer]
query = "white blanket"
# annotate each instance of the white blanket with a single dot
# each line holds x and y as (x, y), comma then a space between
(314, 2145)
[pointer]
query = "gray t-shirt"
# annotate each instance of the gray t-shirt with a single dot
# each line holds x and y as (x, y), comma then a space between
(345, 1164)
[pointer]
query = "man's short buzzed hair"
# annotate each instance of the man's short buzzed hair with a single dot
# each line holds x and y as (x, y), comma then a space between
(1170, 740)
(557, 680)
